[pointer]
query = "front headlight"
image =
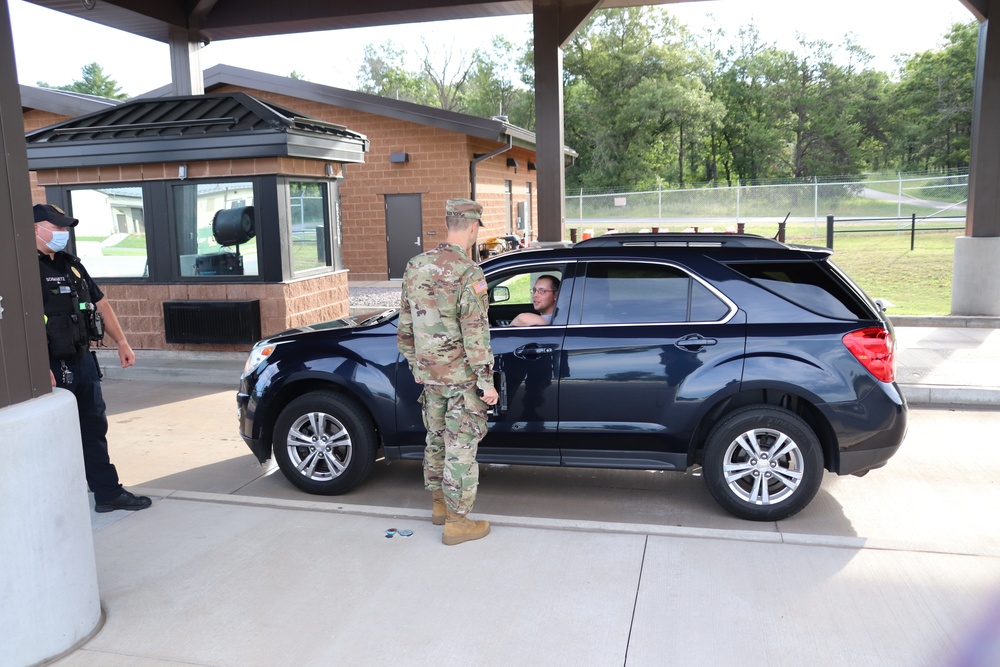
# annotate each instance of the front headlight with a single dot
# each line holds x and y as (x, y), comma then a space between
(260, 352)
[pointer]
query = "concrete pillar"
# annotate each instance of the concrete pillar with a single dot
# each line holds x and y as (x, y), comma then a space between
(48, 573)
(975, 287)
(976, 280)
(185, 63)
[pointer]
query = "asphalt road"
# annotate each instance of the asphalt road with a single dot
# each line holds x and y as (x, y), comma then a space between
(936, 495)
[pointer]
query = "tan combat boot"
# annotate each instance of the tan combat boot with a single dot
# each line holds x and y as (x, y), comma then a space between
(440, 511)
(459, 528)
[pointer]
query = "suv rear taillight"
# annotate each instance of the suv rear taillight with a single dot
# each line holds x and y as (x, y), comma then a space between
(876, 351)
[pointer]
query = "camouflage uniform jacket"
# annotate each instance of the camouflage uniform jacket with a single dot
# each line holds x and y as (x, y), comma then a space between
(444, 331)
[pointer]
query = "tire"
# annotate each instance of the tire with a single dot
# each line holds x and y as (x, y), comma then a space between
(324, 443)
(763, 463)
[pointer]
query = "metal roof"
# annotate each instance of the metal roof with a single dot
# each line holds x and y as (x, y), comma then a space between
(192, 128)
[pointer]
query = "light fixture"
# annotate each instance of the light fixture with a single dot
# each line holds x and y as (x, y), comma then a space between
(329, 170)
(182, 172)
(88, 4)
(531, 166)
(511, 162)
(399, 157)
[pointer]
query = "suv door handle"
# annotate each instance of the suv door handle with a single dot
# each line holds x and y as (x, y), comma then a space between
(694, 342)
(532, 351)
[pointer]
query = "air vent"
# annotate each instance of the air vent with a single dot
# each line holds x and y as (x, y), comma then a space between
(212, 322)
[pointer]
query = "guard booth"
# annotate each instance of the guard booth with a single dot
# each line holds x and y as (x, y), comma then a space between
(209, 221)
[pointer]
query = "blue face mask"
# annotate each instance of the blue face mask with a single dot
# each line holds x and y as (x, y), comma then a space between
(58, 242)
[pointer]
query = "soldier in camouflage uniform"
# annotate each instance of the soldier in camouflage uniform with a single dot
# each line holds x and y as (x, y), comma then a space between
(444, 334)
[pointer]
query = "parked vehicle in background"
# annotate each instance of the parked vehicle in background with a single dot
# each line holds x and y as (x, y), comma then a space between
(758, 361)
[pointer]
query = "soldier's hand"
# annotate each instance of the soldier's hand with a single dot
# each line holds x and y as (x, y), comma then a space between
(490, 396)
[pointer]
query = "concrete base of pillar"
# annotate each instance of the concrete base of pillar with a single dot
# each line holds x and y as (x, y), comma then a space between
(975, 287)
(48, 573)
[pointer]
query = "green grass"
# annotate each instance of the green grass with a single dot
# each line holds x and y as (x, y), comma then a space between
(916, 282)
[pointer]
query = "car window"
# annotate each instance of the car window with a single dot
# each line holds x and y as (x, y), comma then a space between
(806, 284)
(646, 293)
(518, 286)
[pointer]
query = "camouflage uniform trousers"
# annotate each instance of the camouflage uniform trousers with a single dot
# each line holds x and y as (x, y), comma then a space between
(455, 419)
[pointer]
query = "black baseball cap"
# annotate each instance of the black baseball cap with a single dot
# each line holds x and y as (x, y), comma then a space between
(53, 214)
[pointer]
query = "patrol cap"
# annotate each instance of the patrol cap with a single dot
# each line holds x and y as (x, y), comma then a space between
(53, 214)
(464, 208)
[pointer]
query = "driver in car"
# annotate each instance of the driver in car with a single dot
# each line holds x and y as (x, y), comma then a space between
(543, 298)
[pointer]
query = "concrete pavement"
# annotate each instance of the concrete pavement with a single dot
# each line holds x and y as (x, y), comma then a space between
(233, 566)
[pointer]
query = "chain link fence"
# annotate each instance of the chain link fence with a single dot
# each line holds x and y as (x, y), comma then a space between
(721, 208)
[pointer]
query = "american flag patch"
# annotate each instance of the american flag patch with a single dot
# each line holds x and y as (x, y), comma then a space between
(479, 287)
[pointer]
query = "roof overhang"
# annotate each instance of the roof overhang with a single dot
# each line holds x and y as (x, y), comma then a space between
(216, 20)
(62, 102)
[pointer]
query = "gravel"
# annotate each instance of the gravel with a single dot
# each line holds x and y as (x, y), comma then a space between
(375, 297)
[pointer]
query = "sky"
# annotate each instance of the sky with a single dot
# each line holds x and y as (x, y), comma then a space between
(885, 28)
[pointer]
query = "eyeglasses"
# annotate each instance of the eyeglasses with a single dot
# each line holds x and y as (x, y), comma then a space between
(541, 290)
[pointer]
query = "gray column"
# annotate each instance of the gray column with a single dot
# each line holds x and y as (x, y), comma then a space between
(975, 281)
(984, 159)
(555, 21)
(24, 363)
(185, 63)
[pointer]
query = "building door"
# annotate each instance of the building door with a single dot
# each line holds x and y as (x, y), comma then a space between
(403, 231)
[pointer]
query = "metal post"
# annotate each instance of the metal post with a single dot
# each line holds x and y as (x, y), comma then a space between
(899, 197)
(815, 198)
(913, 229)
(737, 202)
(829, 232)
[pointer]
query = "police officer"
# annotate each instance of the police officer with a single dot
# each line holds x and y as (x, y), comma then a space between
(76, 313)
(444, 334)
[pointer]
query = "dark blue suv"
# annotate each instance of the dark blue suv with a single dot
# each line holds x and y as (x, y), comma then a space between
(758, 361)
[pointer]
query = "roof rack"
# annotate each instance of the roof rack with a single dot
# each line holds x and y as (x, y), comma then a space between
(680, 240)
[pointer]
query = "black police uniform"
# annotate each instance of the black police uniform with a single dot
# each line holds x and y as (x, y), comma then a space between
(69, 296)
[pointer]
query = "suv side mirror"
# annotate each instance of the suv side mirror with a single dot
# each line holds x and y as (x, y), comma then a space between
(499, 294)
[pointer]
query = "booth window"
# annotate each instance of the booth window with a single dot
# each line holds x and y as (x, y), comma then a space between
(310, 220)
(111, 236)
(216, 229)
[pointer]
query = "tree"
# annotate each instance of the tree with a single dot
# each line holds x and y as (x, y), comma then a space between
(298, 77)
(384, 73)
(631, 88)
(933, 103)
(446, 83)
(496, 85)
(93, 81)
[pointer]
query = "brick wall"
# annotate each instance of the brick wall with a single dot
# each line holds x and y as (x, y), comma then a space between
(35, 120)
(139, 307)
